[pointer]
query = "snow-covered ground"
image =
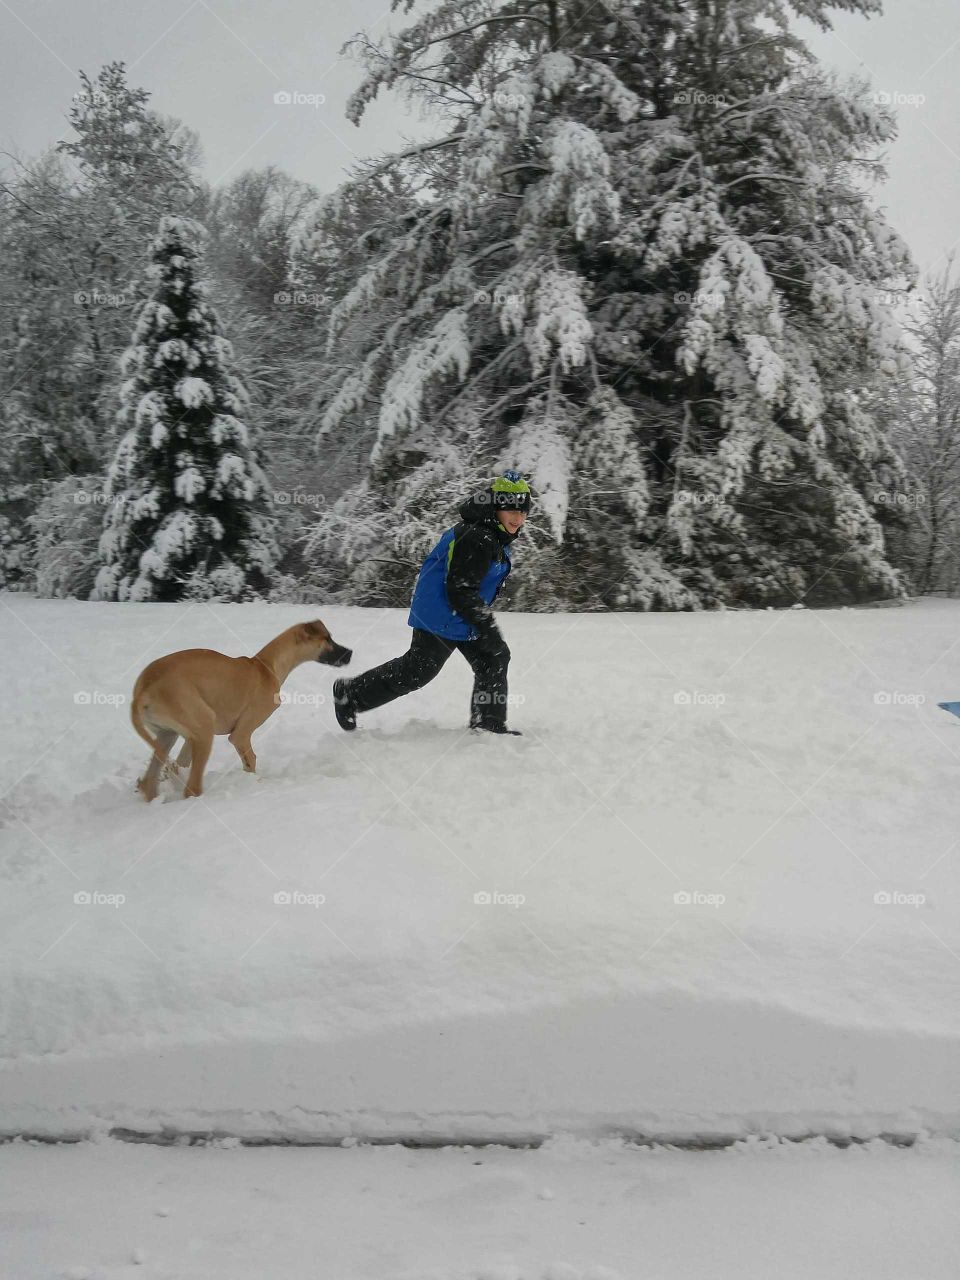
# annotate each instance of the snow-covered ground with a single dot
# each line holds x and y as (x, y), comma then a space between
(779, 770)
(568, 1211)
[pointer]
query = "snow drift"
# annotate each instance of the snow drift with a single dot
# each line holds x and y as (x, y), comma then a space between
(712, 891)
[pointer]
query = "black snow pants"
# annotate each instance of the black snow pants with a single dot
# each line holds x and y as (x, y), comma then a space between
(423, 660)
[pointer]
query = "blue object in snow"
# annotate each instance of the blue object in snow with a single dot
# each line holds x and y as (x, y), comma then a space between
(952, 707)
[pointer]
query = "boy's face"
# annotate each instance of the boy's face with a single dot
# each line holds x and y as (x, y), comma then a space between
(511, 520)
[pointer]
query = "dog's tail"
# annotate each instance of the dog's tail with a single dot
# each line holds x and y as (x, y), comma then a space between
(136, 719)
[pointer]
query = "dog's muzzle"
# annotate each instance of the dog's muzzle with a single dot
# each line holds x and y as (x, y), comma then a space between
(337, 657)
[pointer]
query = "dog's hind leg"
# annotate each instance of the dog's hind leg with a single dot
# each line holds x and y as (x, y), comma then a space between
(172, 768)
(201, 744)
(200, 748)
(147, 785)
(183, 759)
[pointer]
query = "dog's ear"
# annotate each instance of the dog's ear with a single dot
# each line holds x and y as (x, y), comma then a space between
(310, 632)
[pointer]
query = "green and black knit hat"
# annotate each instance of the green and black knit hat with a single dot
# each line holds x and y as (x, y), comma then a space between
(512, 492)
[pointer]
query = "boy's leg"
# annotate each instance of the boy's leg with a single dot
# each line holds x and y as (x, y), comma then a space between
(412, 670)
(488, 705)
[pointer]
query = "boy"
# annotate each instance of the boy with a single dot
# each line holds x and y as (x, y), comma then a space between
(458, 582)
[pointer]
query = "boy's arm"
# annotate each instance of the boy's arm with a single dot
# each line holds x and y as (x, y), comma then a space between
(472, 554)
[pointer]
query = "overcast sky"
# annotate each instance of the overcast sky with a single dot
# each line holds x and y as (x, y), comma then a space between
(216, 64)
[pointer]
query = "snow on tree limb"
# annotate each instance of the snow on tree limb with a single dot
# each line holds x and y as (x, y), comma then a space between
(559, 322)
(444, 350)
(538, 446)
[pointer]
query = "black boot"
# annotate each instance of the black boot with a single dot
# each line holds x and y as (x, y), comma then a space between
(494, 727)
(343, 708)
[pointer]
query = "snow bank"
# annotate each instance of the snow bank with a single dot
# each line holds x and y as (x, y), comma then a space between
(712, 891)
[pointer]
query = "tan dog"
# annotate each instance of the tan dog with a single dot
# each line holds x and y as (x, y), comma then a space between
(197, 693)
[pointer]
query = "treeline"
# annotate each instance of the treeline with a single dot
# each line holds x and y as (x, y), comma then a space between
(638, 261)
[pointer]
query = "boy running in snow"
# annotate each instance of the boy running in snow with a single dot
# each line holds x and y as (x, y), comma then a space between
(458, 582)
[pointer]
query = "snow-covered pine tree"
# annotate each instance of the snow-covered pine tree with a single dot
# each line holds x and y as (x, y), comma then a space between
(189, 511)
(647, 265)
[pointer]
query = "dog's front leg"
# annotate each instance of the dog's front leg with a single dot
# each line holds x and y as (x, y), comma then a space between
(239, 739)
(244, 750)
(243, 730)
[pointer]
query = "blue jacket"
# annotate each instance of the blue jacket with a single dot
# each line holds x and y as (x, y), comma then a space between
(461, 577)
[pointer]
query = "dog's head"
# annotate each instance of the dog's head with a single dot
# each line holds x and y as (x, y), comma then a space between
(320, 646)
